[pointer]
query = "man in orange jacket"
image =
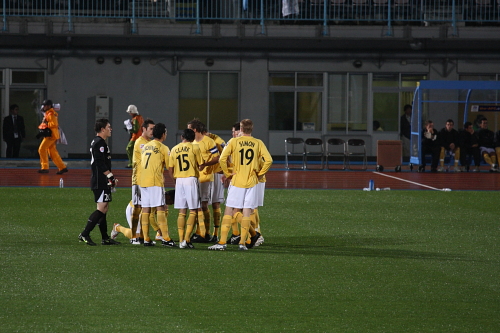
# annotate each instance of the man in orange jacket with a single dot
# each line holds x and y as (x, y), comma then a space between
(135, 132)
(48, 145)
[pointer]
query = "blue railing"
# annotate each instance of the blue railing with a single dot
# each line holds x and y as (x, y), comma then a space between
(325, 12)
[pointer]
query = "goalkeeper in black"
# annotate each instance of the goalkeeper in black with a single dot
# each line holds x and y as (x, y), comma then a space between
(101, 183)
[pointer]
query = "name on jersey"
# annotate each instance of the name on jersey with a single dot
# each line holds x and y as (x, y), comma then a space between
(183, 149)
(246, 143)
(155, 150)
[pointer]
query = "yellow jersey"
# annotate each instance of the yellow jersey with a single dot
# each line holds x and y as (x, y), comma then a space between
(246, 153)
(185, 158)
(208, 150)
(154, 160)
(220, 144)
(136, 158)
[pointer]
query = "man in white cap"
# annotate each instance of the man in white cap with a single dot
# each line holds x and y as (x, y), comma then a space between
(135, 132)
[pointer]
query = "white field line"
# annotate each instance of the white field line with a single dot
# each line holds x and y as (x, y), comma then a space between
(408, 181)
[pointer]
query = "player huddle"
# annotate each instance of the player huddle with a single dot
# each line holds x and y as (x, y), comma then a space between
(199, 166)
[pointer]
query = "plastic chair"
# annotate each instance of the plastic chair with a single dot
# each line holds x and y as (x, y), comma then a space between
(314, 147)
(292, 150)
(356, 147)
(336, 147)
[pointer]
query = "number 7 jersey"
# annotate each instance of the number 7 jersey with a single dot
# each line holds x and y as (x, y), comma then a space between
(246, 154)
(154, 160)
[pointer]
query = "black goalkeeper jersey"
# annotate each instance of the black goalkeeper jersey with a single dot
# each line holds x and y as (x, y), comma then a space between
(100, 162)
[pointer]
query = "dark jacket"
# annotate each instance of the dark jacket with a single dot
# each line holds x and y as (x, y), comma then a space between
(486, 138)
(446, 138)
(8, 128)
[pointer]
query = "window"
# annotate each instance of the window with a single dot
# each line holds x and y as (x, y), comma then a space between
(28, 77)
(211, 97)
(295, 101)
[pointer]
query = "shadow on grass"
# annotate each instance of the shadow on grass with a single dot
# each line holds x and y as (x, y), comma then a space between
(354, 246)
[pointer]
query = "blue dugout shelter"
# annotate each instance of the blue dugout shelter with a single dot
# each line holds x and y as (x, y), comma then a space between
(477, 96)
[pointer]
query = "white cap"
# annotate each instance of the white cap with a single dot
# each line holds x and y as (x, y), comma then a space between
(132, 109)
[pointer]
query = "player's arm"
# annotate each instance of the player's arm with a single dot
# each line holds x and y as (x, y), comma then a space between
(171, 173)
(223, 160)
(268, 160)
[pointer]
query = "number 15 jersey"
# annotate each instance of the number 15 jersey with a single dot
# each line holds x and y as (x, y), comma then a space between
(246, 154)
(185, 159)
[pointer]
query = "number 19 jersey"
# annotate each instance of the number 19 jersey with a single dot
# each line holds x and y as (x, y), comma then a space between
(185, 159)
(246, 154)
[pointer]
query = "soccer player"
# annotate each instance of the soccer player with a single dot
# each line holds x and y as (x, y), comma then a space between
(448, 136)
(486, 139)
(102, 181)
(245, 152)
(154, 160)
(210, 156)
(183, 167)
(147, 135)
(218, 190)
(129, 233)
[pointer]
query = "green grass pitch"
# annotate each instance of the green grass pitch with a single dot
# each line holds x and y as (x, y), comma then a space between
(332, 261)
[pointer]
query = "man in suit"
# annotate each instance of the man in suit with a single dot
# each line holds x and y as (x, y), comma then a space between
(13, 131)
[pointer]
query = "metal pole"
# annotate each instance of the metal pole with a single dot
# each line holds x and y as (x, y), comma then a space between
(325, 19)
(70, 21)
(134, 23)
(389, 19)
(198, 26)
(4, 28)
(262, 25)
(453, 19)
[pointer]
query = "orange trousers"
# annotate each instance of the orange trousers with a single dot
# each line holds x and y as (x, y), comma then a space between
(48, 147)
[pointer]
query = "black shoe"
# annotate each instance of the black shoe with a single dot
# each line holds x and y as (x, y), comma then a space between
(109, 241)
(198, 239)
(149, 243)
(421, 169)
(253, 240)
(86, 239)
(214, 239)
(60, 172)
(169, 243)
(43, 171)
(190, 245)
(234, 240)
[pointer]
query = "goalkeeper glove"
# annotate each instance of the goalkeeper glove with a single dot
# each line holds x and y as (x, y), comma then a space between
(111, 180)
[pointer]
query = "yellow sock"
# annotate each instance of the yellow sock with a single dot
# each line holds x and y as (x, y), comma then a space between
(153, 219)
(494, 159)
(201, 224)
(457, 156)
(135, 218)
(226, 226)
(125, 231)
(190, 226)
(181, 226)
(236, 220)
(198, 232)
(245, 228)
(145, 226)
(162, 223)
(441, 157)
(487, 159)
(206, 217)
(216, 221)
(257, 220)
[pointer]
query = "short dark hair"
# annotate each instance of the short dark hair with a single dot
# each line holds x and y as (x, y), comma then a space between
(159, 130)
(467, 124)
(100, 124)
(13, 106)
(407, 106)
(450, 121)
(147, 122)
(236, 126)
(188, 135)
(197, 125)
(483, 118)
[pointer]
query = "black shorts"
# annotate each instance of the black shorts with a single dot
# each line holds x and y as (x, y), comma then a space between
(102, 195)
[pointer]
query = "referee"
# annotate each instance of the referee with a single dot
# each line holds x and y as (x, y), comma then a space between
(101, 183)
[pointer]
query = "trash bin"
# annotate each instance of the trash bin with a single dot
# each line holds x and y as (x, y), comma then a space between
(389, 153)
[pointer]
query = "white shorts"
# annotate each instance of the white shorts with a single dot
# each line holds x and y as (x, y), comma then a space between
(238, 197)
(261, 187)
(218, 191)
(206, 190)
(187, 193)
(153, 196)
(136, 194)
(487, 150)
